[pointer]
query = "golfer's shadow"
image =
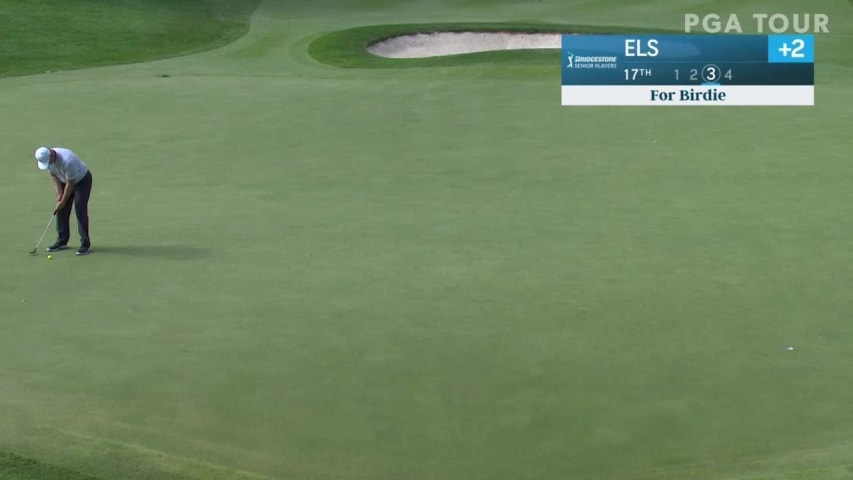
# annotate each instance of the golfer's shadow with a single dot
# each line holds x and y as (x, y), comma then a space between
(171, 252)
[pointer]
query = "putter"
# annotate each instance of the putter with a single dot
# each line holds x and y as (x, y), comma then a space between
(35, 250)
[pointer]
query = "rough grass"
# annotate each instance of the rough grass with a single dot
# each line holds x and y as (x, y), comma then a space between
(16, 467)
(51, 35)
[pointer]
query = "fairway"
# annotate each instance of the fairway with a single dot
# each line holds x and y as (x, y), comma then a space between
(321, 270)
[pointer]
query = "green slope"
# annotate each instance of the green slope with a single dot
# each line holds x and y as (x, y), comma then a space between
(52, 35)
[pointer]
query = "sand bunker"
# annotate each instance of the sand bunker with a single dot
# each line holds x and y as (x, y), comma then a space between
(422, 45)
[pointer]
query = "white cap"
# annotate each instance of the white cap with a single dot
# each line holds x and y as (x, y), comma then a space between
(42, 157)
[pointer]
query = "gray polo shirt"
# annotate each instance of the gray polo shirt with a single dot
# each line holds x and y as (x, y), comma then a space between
(68, 167)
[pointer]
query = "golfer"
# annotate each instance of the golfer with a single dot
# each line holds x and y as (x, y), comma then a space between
(72, 181)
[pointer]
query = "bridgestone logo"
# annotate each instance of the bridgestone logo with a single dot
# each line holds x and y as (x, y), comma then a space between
(595, 59)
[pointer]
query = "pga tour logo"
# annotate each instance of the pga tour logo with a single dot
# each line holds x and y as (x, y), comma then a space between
(775, 22)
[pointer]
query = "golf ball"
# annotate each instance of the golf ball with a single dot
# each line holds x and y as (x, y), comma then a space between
(49, 257)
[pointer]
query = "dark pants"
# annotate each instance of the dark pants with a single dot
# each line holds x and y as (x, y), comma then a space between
(80, 200)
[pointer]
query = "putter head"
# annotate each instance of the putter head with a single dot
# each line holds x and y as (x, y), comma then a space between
(34, 252)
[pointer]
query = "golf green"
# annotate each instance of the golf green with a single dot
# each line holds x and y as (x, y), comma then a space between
(304, 271)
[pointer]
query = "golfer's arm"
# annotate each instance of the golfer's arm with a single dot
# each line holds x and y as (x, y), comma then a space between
(57, 185)
(69, 186)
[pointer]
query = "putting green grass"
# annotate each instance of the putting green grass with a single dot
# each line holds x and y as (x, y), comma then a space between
(313, 272)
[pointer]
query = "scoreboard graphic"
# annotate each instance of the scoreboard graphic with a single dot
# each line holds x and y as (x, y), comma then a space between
(687, 69)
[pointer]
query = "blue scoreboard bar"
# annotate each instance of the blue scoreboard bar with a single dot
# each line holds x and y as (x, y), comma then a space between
(681, 69)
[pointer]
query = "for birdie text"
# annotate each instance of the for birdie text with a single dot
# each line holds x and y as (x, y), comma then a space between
(688, 95)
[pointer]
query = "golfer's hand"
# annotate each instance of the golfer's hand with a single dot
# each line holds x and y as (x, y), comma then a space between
(57, 208)
(58, 197)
